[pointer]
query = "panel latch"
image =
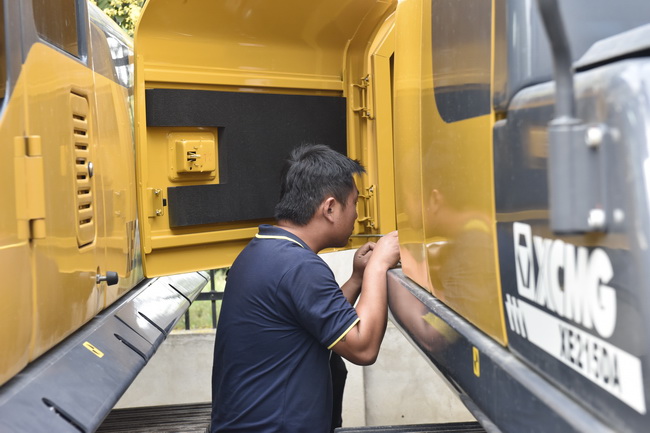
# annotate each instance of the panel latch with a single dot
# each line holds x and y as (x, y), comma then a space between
(192, 156)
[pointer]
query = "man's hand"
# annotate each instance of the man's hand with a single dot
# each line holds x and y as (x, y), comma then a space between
(386, 251)
(361, 257)
(352, 287)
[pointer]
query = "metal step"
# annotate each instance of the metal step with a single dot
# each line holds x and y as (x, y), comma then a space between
(195, 418)
(186, 418)
(453, 427)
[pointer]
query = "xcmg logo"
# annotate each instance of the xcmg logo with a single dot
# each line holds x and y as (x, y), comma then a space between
(568, 280)
(559, 283)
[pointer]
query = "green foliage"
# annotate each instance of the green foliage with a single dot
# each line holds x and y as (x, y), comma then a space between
(124, 12)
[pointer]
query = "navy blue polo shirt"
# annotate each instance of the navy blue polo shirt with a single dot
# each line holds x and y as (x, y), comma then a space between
(281, 313)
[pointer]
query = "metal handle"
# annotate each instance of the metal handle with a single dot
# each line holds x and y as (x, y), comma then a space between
(555, 30)
(576, 176)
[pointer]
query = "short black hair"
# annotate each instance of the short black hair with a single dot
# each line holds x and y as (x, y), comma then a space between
(312, 172)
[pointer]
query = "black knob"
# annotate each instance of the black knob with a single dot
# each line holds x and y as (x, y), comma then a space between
(111, 278)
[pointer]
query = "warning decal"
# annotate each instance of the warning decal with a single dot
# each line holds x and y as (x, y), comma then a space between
(93, 349)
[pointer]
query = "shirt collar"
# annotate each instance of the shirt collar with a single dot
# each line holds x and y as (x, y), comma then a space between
(267, 231)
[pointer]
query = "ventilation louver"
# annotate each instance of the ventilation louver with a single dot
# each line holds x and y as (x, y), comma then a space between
(85, 213)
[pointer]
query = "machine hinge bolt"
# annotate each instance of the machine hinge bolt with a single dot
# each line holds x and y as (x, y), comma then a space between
(597, 219)
(619, 216)
(594, 136)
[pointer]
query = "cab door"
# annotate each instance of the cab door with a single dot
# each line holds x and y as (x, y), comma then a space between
(224, 91)
(443, 136)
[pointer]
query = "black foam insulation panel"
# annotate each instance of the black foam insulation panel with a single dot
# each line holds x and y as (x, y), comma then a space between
(256, 133)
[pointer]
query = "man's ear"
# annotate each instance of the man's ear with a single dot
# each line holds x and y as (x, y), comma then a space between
(327, 208)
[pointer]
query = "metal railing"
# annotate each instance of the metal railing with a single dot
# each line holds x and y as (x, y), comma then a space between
(213, 296)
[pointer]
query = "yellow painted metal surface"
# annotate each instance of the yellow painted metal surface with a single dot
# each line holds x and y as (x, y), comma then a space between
(293, 47)
(15, 261)
(408, 118)
(61, 226)
(118, 239)
(293, 44)
(65, 294)
(446, 214)
(370, 121)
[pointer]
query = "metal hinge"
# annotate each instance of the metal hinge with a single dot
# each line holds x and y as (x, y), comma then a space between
(157, 207)
(364, 104)
(369, 208)
(29, 187)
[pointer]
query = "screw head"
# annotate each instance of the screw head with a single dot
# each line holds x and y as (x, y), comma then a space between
(597, 219)
(619, 216)
(594, 136)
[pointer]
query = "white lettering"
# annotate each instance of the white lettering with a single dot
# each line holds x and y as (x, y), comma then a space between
(523, 237)
(611, 368)
(590, 358)
(515, 318)
(603, 297)
(542, 252)
(575, 285)
(555, 266)
(570, 281)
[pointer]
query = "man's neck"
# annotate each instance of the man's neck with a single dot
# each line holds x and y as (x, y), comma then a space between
(307, 233)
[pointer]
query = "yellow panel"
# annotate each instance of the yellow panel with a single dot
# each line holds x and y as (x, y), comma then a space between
(382, 70)
(407, 121)
(15, 254)
(289, 44)
(66, 295)
(53, 237)
(289, 47)
(446, 219)
(115, 157)
(370, 122)
(368, 84)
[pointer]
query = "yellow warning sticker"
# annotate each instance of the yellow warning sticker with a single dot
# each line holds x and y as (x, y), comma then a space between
(93, 349)
(477, 362)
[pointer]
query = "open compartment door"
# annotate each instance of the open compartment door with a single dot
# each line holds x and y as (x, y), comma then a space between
(223, 92)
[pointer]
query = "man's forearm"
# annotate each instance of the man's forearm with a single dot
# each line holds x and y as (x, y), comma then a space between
(361, 344)
(352, 288)
(372, 310)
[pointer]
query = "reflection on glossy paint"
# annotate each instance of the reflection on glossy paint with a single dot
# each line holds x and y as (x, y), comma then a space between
(431, 333)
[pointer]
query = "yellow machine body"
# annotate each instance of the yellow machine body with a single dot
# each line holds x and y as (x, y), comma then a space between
(69, 210)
